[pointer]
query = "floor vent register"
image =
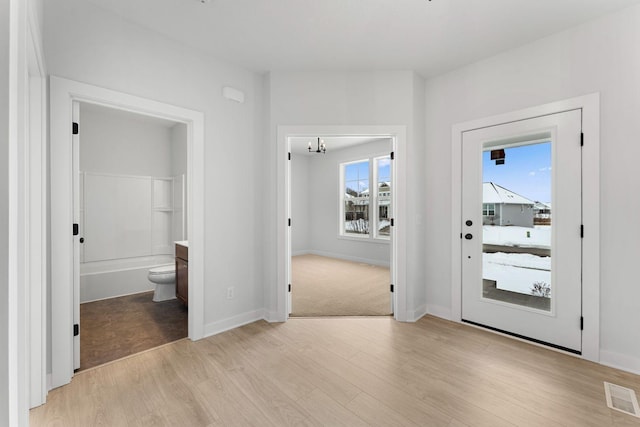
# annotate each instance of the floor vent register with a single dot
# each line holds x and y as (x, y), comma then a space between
(622, 399)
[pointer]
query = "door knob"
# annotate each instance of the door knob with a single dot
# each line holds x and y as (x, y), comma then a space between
(469, 223)
(82, 240)
(468, 236)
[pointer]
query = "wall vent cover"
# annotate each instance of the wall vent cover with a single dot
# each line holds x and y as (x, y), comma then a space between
(622, 399)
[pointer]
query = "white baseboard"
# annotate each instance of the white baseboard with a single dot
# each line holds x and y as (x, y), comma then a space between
(620, 361)
(417, 314)
(273, 317)
(233, 322)
(351, 258)
(440, 311)
(298, 253)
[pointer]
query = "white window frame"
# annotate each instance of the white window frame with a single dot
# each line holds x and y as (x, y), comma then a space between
(373, 234)
(341, 223)
(489, 209)
(374, 205)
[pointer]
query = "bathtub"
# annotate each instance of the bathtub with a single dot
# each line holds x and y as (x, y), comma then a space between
(114, 278)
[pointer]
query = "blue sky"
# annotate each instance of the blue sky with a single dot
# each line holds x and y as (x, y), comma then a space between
(359, 173)
(526, 171)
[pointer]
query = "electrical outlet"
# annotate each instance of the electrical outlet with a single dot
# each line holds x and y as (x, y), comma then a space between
(230, 292)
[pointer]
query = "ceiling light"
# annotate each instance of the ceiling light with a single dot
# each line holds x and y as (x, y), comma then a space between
(322, 148)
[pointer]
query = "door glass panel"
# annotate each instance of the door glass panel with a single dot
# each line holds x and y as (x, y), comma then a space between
(516, 224)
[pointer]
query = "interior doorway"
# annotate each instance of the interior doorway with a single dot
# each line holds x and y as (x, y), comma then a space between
(341, 233)
(63, 94)
(130, 206)
(398, 223)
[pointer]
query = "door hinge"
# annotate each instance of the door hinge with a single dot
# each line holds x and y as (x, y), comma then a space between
(76, 230)
(581, 139)
(393, 222)
(76, 330)
(461, 235)
(289, 287)
(392, 155)
(289, 222)
(289, 155)
(582, 231)
(581, 323)
(75, 128)
(391, 287)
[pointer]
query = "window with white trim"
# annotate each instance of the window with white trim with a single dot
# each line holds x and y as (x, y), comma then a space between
(488, 209)
(365, 213)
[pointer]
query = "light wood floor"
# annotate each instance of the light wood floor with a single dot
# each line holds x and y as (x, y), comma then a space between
(342, 372)
(323, 286)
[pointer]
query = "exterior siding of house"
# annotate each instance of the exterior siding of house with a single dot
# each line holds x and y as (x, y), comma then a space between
(520, 215)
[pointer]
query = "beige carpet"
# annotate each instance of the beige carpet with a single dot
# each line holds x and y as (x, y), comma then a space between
(332, 287)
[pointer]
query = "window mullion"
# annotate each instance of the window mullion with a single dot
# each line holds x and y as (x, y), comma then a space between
(373, 198)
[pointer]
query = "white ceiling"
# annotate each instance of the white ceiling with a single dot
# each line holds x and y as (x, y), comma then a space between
(430, 37)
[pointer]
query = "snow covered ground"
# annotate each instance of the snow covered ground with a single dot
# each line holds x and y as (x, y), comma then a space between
(517, 272)
(524, 237)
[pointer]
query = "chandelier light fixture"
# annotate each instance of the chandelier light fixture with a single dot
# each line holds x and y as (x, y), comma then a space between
(322, 148)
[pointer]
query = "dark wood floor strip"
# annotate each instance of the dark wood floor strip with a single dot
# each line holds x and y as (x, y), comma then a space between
(118, 327)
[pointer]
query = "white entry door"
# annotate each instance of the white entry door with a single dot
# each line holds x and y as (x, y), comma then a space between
(521, 229)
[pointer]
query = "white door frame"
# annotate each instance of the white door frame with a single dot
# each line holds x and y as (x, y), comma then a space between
(398, 242)
(62, 94)
(590, 105)
(37, 165)
(27, 256)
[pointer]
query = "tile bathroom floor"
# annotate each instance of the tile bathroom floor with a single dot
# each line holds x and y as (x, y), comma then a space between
(117, 327)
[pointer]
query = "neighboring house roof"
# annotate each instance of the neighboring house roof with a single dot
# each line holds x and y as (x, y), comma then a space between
(493, 193)
(540, 205)
(380, 185)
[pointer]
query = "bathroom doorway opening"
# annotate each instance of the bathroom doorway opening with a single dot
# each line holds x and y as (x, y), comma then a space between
(130, 207)
(64, 291)
(341, 233)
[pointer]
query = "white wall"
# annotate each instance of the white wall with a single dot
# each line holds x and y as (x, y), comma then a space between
(4, 214)
(178, 149)
(348, 98)
(110, 52)
(301, 192)
(179, 172)
(600, 56)
(124, 143)
(324, 200)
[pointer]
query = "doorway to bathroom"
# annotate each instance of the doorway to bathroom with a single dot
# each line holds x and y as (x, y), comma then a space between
(130, 207)
(65, 246)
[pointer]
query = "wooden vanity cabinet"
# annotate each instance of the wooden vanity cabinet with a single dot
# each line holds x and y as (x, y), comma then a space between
(182, 273)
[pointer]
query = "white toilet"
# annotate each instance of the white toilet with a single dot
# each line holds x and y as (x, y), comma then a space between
(164, 277)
